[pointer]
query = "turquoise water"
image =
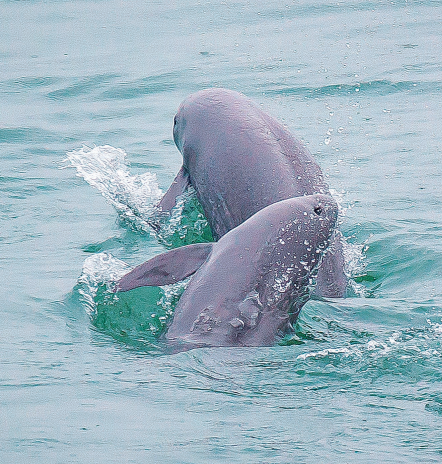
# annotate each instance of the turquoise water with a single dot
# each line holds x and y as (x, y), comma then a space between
(82, 376)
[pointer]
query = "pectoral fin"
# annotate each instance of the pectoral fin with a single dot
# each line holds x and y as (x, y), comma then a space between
(177, 188)
(167, 268)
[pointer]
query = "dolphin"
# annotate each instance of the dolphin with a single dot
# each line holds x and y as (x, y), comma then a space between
(247, 288)
(240, 160)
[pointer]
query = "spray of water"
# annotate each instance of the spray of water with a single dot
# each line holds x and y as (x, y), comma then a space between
(143, 314)
(133, 196)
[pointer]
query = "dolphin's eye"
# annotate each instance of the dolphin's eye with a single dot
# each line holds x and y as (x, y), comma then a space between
(317, 210)
(174, 121)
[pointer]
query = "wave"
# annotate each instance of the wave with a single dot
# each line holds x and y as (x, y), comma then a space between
(24, 84)
(137, 318)
(24, 134)
(102, 87)
(134, 198)
(308, 9)
(82, 86)
(139, 87)
(380, 87)
(335, 352)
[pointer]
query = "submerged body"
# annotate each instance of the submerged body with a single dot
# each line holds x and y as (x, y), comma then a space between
(248, 287)
(240, 160)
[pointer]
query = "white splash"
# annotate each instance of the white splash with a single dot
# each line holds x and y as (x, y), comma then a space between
(103, 267)
(105, 168)
(354, 253)
(343, 207)
(354, 258)
(435, 327)
(324, 353)
(100, 269)
(174, 223)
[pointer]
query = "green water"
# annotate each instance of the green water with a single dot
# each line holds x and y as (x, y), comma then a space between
(82, 377)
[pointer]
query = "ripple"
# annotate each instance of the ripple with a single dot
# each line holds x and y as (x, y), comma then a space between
(376, 87)
(29, 83)
(82, 86)
(140, 87)
(25, 134)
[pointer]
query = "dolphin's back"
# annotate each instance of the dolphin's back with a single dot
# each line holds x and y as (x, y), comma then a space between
(240, 158)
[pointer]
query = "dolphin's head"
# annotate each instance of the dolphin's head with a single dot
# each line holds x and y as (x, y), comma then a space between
(302, 229)
(316, 218)
(200, 112)
(309, 225)
(189, 125)
(258, 275)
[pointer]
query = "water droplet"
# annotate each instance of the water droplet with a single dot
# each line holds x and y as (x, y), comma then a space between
(237, 323)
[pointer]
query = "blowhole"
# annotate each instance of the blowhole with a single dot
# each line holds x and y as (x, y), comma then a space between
(317, 210)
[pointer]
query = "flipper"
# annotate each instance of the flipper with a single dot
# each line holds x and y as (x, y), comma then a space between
(166, 268)
(177, 188)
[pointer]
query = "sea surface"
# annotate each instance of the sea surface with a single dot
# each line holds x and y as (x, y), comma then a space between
(88, 92)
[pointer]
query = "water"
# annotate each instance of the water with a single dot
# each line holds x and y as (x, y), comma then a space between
(82, 378)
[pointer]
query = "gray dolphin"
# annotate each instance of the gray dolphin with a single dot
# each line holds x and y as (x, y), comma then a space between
(248, 287)
(240, 160)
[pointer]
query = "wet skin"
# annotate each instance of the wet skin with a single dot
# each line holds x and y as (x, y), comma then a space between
(247, 288)
(240, 160)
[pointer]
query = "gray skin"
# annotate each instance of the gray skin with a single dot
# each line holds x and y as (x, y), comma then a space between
(240, 160)
(247, 288)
